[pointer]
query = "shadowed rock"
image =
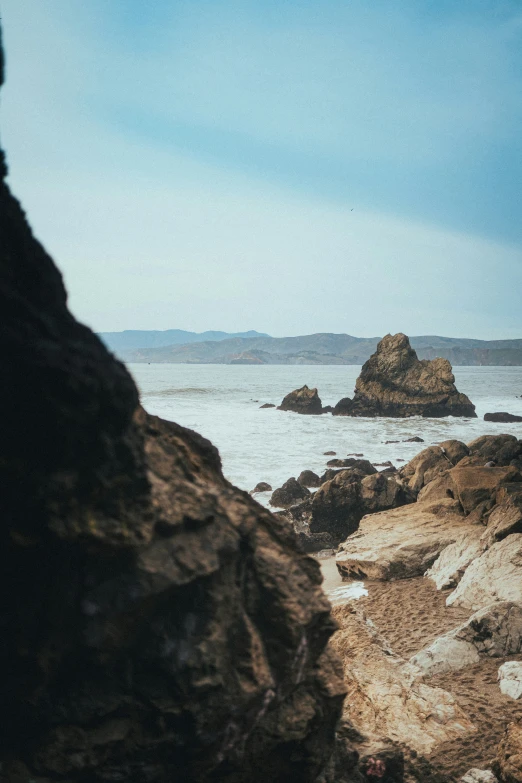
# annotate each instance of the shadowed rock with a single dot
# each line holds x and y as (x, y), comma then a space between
(395, 383)
(157, 623)
(502, 417)
(303, 400)
(289, 494)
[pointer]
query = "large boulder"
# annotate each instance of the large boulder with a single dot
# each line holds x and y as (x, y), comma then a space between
(450, 566)
(500, 449)
(303, 400)
(402, 542)
(307, 478)
(157, 623)
(494, 576)
(289, 494)
(395, 383)
(506, 516)
(478, 486)
(509, 755)
(494, 632)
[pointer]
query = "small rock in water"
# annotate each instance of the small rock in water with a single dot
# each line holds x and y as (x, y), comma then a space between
(391, 441)
(502, 417)
(307, 478)
(355, 454)
(261, 487)
(415, 439)
(330, 453)
(510, 679)
(289, 494)
(399, 459)
(266, 405)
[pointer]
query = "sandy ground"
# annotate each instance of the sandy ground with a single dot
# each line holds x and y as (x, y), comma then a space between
(411, 613)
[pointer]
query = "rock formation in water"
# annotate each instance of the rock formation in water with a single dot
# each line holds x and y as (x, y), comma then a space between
(502, 417)
(395, 383)
(303, 400)
(157, 623)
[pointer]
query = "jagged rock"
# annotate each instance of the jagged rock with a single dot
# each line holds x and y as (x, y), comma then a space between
(476, 485)
(501, 417)
(510, 679)
(363, 465)
(329, 474)
(450, 566)
(509, 756)
(401, 543)
(307, 478)
(267, 405)
(506, 516)
(262, 486)
(303, 400)
(501, 449)
(385, 696)
(495, 632)
(339, 504)
(494, 576)
(431, 462)
(475, 775)
(394, 383)
(157, 623)
(415, 439)
(289, 494)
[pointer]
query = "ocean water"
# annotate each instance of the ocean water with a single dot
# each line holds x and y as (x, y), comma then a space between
(222, 403)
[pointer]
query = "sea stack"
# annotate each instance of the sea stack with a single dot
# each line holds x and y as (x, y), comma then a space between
(395, 383)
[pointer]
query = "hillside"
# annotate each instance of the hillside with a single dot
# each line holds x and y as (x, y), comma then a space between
(322, 348)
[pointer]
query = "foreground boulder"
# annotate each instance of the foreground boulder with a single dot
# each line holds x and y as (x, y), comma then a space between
(157, 623)
(395, 383)
(303, 400)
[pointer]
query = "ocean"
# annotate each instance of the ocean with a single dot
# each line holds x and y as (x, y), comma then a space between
(222, 402)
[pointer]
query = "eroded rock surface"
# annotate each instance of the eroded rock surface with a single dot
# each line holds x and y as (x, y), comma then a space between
(395, 383)
(157, 624)
(509, 756)
(289, 494)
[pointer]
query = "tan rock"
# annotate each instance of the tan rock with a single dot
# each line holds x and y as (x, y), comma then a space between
(385, 697)
(494, 576)
(509, 756)
(402, 542)
(476, 485)
(494, 632)
(506, 516)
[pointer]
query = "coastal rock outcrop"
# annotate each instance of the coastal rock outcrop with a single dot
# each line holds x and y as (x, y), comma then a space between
(303, 400)
(157, 623)
(395, 383)
(502, 417)
(307, 478)
(261, 486)
(289, 494)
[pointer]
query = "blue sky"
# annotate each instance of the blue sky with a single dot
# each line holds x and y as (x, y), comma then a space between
(288, 166)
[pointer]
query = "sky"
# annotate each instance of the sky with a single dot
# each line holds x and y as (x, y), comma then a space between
(292, 167)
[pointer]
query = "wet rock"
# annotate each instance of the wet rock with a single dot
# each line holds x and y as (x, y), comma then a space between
(394, 383)
(509, 755)
(501, 417)
(391, 441)
(327, 409)
(267, 405)
(331, 473)
(355, 454)
(494, 576)
(500, 449)
(262, 486)
(402, 542)
(303, 400)
(362, 465)
(385, 697)
(329, 453)
(307, 478)
(510, 679)
(415, 439)
(289, 494)
(157, 623)
(494, 632)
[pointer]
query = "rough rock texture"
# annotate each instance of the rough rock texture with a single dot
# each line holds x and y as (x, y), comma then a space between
(431, 462)
(157, 624)
(495, 631)
(289, 494)
(479, 776)
(340, 504)
(385, 697)
(303, 400)
(477, 485)
(509, 756)
(506, 516)
(362, 465)
(510, 679)
(307, 478)
(394, 383)
(494, 576)
(450, 566)
(501, 449)
(502, 417)
(401, 543)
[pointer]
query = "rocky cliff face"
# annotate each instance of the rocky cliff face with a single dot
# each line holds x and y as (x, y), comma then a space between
(394, 382)
(157, 624)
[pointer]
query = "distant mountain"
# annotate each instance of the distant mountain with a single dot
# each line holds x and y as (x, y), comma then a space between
(134, 339)
(322, 348)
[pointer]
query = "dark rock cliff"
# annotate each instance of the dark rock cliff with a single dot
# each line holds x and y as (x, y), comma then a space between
(157, 624)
